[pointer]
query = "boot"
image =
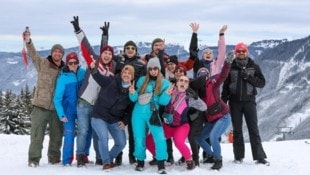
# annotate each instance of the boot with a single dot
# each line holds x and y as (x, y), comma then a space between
(170, 160)
(153, 161)
(98, 162)
(217, 164)
(140, 165)
(208, 159)
(190, 164)
(119, 159)
(85, 159)
(181, 161)
(161, 167)
(132, 159)
(80, 160)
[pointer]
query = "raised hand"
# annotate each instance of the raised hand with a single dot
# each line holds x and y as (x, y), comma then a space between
(105, 28)
(75, 24)
(26, 35)
(194, 26)
(132, 87)
(223, 29)
(170, 89)
(230, 56)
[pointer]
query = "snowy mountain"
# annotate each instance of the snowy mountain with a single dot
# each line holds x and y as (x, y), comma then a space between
(283, 104)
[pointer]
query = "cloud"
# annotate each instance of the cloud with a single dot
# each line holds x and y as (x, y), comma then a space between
(143, 20)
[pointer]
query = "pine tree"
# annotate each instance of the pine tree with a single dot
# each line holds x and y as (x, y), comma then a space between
(25, 108)
(10, 117)
(2, 118)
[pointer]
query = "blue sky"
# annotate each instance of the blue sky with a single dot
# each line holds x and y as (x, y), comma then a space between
(144, 20)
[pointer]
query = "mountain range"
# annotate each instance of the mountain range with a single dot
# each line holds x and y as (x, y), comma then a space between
(283, 105)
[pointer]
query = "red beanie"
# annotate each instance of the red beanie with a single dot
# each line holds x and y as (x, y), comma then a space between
(180, 68)
(107, 48)
(241, 46)
(72, 55)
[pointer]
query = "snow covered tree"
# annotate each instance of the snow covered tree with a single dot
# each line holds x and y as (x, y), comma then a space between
(2, 118)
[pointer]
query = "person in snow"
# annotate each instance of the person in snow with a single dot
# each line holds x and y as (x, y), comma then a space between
(208, 61)
(65, 100)
(217, 117)
(176, 119)
(152, 90)
(43, 112)
(130, 57)
(239, 90)
(111, 112)
(89, 91)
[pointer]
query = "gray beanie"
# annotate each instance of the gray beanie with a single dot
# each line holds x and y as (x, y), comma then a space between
(58, 46)
(153, 62)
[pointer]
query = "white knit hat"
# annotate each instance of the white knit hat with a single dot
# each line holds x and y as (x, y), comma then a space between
(153, 62)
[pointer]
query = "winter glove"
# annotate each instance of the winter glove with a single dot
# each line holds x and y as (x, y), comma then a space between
(244, 74)
(191, 93)
(75, 24)
(230, 56)
(105, 28)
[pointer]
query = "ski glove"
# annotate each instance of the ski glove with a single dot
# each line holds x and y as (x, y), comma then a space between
(230, 56)
(75, 24)
(244, 74)
(105, 28)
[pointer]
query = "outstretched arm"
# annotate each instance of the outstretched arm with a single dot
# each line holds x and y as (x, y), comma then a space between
(221, 52)
(105, 35)
(85, 46)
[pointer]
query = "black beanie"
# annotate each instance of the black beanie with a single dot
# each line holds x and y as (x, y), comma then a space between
(173, 59)
(130, 43)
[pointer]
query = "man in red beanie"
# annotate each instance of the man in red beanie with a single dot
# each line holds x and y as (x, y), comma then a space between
(239, 90)
(88, 93)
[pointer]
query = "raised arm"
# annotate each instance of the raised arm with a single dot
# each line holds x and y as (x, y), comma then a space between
(218, 63)
(105, 35)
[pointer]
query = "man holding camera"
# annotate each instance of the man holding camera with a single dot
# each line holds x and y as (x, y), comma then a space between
(239, 90)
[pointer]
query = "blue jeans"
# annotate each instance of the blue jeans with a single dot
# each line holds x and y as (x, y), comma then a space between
(213, 131)
(84, 134)
(103, 128)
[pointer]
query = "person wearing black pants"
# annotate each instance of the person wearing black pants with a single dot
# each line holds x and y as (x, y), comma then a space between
(239, 90)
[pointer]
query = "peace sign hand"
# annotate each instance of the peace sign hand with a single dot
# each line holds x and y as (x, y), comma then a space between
(170, 89)
(132, 87)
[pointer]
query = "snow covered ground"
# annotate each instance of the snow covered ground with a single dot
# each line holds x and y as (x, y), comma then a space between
(286, 158)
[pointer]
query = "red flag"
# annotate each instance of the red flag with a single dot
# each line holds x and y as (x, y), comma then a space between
(24, 55)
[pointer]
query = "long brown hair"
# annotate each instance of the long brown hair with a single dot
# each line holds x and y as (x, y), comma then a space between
(158, 83)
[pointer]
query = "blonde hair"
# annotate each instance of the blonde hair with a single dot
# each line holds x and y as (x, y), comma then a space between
(158, 84)
(131, 69)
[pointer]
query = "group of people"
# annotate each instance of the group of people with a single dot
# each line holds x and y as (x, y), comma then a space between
(151, 96)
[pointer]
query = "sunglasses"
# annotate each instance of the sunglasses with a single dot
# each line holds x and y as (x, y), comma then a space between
(130, 48)
(180, 70)
(183, 80)
(241, 51)
(73, 63)
(153, 68)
